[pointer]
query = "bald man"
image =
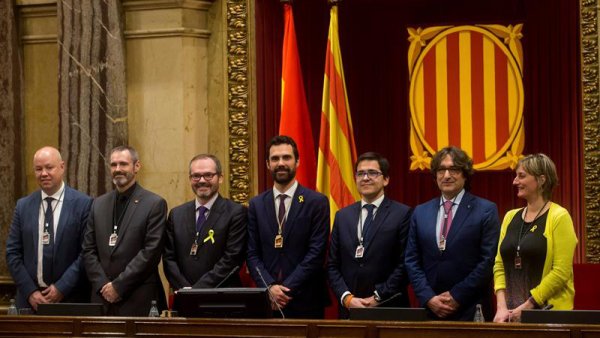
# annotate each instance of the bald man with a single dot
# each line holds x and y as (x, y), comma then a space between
(44, 243)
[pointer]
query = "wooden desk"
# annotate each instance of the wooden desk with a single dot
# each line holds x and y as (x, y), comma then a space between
(36, 326)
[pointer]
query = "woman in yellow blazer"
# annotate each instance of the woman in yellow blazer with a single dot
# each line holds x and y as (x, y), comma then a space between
(534, 263)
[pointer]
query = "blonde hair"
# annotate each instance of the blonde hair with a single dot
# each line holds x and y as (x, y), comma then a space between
(539, 165)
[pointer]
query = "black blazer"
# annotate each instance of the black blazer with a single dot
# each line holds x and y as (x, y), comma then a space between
(213, 261)
(132, 264)
(382, 266)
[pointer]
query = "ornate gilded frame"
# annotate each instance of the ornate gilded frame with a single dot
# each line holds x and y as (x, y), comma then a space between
(591, 126)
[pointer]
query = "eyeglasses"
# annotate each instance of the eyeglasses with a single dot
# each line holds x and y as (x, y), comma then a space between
(372, 174)
(454, 171)
(206, 176)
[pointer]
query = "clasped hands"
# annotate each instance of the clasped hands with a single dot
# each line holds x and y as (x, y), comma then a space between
(443, 305)
(109, 293)
(51, 294)
(278, 295)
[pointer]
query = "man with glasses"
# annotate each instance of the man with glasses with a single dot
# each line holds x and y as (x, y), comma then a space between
(288, 228)
(366, 254)
(205, 238)
(452, 242)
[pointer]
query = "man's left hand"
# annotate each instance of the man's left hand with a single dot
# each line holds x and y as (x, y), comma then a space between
(109, 293)
(52, 294)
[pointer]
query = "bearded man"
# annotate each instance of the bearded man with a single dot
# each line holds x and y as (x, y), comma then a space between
(288, 229)
(206, 238)
(124, 241)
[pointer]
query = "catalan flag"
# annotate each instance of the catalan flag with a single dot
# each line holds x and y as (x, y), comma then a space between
(337, 152)
(295, 118)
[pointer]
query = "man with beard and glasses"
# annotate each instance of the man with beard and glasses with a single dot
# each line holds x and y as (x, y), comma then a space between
(123, 242)
(205, 238)
(44, 242)
(288, 228)
(452, 243)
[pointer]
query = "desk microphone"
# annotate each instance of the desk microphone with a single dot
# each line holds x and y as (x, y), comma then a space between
(387, 300)
(234, 270)
(269, 291)
(548, 307)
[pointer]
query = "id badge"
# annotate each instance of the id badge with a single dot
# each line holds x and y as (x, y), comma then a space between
(46, 238)
(112, 240)
(360, 251)
(518, 265)
(194, 249)
(442, 244)
(278, 242)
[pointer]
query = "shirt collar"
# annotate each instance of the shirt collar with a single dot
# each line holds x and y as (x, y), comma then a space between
(208, 205)
(290, 192)
(57, 195)
(456, 199)
(376, 202)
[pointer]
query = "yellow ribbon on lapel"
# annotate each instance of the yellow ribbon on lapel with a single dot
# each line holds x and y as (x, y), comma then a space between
(211, 236)
(301, 199)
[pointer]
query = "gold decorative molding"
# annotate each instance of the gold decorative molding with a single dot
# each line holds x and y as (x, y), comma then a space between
(240, 162)
(591, 126)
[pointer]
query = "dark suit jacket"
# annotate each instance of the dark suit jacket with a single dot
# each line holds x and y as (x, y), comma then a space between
(465, 267)
(382, 265)
(301, 260)
(22, 247)
(132, 264)
(213, 261)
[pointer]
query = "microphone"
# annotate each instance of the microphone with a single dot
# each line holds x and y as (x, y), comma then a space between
(548, 307)
(269, 291)
(387, 300)
(234, 270)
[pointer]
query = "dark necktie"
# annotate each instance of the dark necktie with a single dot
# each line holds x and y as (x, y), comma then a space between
(281, 213)
(447, 221)
(369, 219)
(201, 218)
(48, 248)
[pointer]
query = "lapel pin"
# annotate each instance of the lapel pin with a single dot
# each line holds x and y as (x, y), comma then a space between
(533, 228)
(136, 201)
(301, 199)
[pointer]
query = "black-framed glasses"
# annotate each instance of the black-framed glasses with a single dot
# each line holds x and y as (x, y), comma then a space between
(206, 176)
(372, 174)
(454, 171)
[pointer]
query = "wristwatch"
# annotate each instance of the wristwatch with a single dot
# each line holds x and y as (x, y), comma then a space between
(376, 296)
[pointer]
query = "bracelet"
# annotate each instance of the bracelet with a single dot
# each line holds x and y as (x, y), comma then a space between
(347, 300)
(532, 301)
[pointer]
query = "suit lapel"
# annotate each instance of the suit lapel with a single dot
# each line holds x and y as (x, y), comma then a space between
(462, 213)
(213, 216)
(382, 213)
(295, 208)
(132, 206)
(34, 206)
(269, 203)
(65, 214)
(431, 224)
(353, 224)
(189, 220)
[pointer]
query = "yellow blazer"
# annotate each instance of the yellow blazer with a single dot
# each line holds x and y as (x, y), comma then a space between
(556, 287)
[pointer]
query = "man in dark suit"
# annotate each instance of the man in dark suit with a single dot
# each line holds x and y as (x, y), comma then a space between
(123, 242)
(366, 255)
(452, 242)
(205, 238)
(44, 242)
(288, 228)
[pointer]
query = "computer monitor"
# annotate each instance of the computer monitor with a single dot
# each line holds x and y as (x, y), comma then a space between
(70, 309)
(389, 313)
(561, 316)
(223, 303)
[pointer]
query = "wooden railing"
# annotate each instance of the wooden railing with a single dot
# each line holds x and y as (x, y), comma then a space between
(36, 326)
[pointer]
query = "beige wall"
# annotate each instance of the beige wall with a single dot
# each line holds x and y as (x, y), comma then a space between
(176, 86)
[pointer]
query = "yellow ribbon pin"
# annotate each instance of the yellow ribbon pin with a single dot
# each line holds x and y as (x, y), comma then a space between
(301, 199)
(211, 236)
(533, 228)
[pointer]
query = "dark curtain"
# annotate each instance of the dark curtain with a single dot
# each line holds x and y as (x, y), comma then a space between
(374, 45)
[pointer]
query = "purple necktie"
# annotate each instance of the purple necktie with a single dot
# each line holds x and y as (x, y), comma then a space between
(201, 218)
(447, 221)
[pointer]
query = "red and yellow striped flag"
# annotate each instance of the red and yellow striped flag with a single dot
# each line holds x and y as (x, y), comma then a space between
(337, 152)
(295, 118)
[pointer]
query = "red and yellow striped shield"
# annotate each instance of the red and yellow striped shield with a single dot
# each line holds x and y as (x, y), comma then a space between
(466, 90)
